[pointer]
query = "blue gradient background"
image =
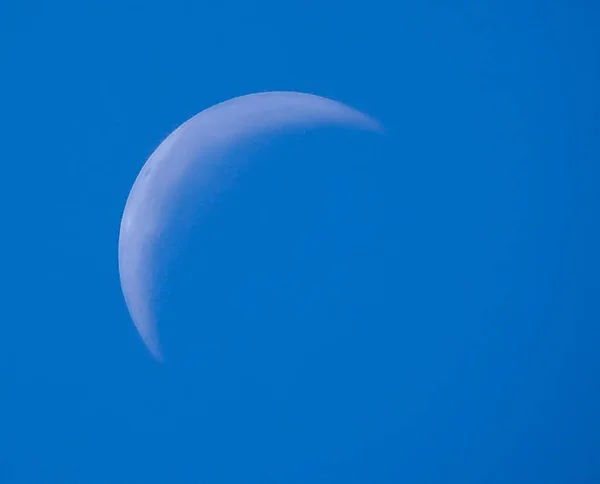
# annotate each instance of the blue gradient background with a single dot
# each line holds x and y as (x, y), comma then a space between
(422, 308)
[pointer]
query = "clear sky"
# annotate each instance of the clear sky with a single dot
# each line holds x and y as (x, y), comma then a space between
(417, 308)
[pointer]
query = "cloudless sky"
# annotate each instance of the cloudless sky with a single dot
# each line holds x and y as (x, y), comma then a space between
(420, 307)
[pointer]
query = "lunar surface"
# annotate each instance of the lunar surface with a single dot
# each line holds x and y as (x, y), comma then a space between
(185, 161)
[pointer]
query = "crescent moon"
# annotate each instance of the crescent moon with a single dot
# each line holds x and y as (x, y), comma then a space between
(185, 158)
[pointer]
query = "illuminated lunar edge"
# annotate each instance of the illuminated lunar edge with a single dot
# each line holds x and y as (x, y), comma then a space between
(190, 150)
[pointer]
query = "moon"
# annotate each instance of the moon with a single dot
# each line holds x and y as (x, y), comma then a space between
(185, 162)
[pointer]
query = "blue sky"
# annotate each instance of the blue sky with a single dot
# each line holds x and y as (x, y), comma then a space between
(418, 308)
